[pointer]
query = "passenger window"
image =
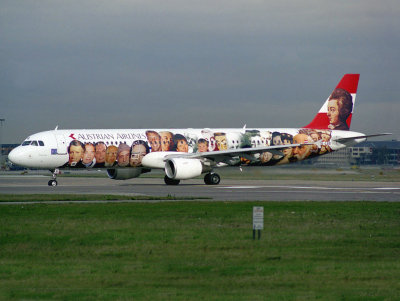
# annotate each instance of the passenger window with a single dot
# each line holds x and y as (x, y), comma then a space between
(34, 143)
(41, 143)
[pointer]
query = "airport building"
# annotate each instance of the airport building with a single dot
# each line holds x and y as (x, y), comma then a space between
(376, 153)
(365, 153)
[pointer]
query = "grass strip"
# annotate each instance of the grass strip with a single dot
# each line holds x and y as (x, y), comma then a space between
(200, 251)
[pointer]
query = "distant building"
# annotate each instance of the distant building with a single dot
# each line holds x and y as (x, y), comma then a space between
(6, 148)
(338, 158)
(376, 153)
(365, 153)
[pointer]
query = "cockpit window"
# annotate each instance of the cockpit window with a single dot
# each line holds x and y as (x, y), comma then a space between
(26, 143)
(41, 143)
(34, 143)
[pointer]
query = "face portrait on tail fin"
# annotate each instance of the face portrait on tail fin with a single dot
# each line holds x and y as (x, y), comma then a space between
(340, 106)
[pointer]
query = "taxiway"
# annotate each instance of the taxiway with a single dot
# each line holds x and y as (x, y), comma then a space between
(227, 190)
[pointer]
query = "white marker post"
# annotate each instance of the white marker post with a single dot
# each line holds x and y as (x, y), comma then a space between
(258, 221)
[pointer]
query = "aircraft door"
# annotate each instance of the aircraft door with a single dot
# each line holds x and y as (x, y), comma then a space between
(61, 144)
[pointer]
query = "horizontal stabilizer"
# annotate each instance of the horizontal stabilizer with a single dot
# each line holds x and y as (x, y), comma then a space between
(344, 140)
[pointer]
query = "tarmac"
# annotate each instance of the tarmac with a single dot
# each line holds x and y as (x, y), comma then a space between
(227, 190)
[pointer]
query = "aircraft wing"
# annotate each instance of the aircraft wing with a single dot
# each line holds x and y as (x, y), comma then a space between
(222, 156)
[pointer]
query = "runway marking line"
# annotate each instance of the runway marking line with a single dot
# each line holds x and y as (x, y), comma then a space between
(310, 187)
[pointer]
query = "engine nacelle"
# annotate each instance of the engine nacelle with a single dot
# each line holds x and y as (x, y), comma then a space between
(182, 169)
(156, 159)
(124, 173)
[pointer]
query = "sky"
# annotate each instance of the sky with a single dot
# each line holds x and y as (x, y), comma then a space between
(199, 64)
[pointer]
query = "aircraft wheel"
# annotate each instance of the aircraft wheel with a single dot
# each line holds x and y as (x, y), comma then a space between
(207, 179)
(212, 179)
(170, 181)
(52, 183)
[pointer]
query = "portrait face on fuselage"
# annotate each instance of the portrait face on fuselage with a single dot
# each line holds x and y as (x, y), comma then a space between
(286, 141)
(314, 136)
(301, 152)
(326, 136)
(266, 137)
(111, 155)
(202, 146)
(182, 146)
(75, 153)
(138, 151)
(100, 152)
(89, 153)
(166, 141)
(265, 157)
(287, 151)
(277, 140)
(123, 157)
(154, 141)
(255, 141)
(220, 138)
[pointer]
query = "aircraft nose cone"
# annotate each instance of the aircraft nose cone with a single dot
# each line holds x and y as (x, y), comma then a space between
(15, 156)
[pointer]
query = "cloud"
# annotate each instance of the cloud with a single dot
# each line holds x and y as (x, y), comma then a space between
(192, 63)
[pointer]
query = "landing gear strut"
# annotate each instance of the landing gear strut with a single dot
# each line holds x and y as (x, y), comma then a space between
(170, 181)
(212, 179)
(53, 182)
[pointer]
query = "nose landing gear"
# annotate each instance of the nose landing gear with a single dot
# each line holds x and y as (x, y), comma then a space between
(53, 182)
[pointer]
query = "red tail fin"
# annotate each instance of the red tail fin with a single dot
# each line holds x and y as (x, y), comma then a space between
(337, 111)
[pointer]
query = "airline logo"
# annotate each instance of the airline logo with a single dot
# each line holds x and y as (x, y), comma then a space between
(337, 111)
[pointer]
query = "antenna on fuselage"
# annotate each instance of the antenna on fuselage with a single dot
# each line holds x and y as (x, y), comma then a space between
(56, 128)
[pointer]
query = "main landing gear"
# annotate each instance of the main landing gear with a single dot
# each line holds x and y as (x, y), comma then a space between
(170, 181)
(212, 178)
(53, 182)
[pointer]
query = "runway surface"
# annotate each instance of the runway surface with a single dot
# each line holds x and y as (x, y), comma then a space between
(227, 190)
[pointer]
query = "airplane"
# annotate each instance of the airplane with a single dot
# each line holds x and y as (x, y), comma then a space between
(189, 153)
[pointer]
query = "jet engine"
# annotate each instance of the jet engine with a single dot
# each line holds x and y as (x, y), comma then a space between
(124, 173)
(182, 168)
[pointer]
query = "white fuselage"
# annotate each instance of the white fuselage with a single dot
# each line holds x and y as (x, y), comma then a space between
(49, 149)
